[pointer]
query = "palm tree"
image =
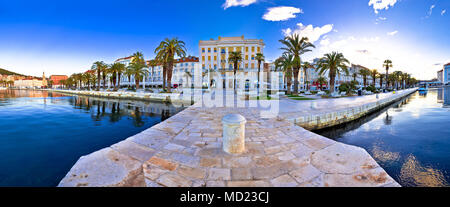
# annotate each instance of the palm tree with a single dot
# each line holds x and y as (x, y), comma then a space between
(296, 46)
(99, 66)
(138, 57)
(138, 70)
(364, 73)
(85, 79)
(306, 66)
(321, 81)
(387, 64)
(335, 64)
(166, 52)
(260, 58)
(391, 80)
(129, 73)
(235, 58)
(286, 63)
(397, 78)
(381, 77)
(152, 64)
(374, 74)
(117, 69)
(404, 77)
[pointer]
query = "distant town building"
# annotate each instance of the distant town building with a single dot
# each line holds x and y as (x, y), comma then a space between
(56, 80)
(31, 82)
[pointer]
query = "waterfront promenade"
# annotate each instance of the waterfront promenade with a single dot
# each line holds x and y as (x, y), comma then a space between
(186, 150)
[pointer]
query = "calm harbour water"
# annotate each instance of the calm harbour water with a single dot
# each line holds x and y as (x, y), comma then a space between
(410, 139)
(42, 134)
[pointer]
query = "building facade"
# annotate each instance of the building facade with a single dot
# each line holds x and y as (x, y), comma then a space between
(183, 73)
(214, 53)
(446, 74)
(56, 80)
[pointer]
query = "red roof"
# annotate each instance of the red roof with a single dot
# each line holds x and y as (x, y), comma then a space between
(187, 59)
(125, 58)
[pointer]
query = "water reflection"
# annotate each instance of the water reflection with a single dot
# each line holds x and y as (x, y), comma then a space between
(445, 91)
(413, 173)
(409, 139)
(115, 109)
(55, 130)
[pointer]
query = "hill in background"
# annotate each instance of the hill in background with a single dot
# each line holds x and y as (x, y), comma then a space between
(7, 72)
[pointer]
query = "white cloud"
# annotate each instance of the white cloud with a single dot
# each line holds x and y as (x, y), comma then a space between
(443, 12)
(392, 33)
(381, 4)
(430, 11)
(281, 13)
(325, 42)
(242, 3)
(311, 32)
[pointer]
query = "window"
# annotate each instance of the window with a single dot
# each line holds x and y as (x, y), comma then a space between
(203, 58)
(203, 66)
(209, 50)
(246, 65)
(209, 58)
(253, 57)
(253, 49)
(230, 49)
(215, 49)
(259, 49)
(246, 57)
(203, 50)
(253, 65)
(246, 49)
(215, 58)
(215, 66)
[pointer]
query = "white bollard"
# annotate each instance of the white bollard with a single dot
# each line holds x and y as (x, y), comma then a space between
(234, 133)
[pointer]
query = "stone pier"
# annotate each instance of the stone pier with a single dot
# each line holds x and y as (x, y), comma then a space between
(186, 150)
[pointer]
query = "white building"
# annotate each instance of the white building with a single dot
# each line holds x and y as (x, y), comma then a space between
(440, 76)
(182, 74)
(214, 53)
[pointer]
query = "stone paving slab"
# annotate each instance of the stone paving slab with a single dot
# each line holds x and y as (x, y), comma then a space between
(186, 151)
(179, 153)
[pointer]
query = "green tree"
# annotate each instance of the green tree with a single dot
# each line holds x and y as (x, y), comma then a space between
(374, 74)
(364, 73)
(296, 46)
(381, 77)
(285, 63)
(165, 53)
(335, 64)
(306, 66)
(235, 58)
(138, 70)
(387, 64)
(99, 66)
(117, 69)
(260, 58)
(321, 81)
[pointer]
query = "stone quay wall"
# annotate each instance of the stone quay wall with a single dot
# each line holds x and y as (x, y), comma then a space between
(321, 120)
(160, 97)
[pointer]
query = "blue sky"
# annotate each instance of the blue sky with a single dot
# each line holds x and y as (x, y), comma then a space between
(64, 37)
